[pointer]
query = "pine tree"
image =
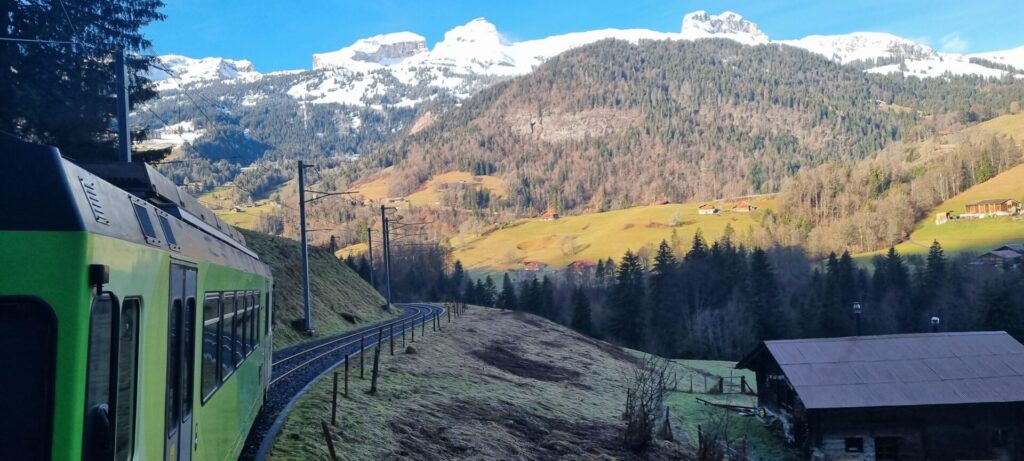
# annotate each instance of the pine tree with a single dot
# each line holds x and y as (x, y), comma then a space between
(581, 311)
(699, 248)
(628, 319)
(63, 94)
(761, 298)
(456, 280)
(664, 321)
(547, 299)
(490, 292)
(507, 299)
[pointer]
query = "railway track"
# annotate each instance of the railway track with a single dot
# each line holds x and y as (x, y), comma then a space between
(296, 369)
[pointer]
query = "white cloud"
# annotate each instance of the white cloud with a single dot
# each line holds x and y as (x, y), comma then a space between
(953, 43)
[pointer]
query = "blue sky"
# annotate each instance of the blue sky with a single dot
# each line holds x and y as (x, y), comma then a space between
(280, 34)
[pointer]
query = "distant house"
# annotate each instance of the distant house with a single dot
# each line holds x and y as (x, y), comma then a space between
(549, 215)
(707, 208)
(1005, 256)
(661, 202)
(896, 397)
(992, 207)
(534, 266)
(942, 218)
(744, 207)
(582, 266)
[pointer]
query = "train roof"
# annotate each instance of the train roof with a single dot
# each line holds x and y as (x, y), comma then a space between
(40, 190)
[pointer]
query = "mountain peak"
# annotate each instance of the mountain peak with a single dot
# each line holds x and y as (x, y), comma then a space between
(700, 24)
(383, 49)
(479, 30)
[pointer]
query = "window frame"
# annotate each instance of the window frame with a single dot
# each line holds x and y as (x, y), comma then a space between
(206, 394)
(134, 411)
(111, 360)
(225, 316)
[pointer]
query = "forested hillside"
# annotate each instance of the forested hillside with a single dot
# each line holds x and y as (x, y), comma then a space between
(614, 124)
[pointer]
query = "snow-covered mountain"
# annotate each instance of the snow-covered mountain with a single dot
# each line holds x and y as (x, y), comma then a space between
(1013, 57)
(173, 71)
(400, 70)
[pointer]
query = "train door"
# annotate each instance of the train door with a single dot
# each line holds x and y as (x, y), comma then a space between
(180, 363)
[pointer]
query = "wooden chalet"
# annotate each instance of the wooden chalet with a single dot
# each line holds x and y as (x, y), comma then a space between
(707, 209)
(662, 202)
(932, 396)
(1005, 256)
(534, 266)
(992, 207)
(549, 215)
(744, 207)
(582, 266)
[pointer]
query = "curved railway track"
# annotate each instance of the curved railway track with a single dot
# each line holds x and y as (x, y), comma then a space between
(296, 369)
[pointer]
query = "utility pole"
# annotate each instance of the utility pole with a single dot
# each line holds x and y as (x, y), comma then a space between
(369, 241)
(305, 250)
(302, 231)
(387, 251)
(124, 141)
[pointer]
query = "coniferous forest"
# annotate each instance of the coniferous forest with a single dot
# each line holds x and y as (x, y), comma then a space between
(717, 300)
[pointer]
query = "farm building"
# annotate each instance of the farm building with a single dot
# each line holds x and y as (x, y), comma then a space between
(662, 202)
(992, 207)
(534, 266)
(707, 208)
(935, 396)
(549, 215)
(582, 266)
(744, 207)
(1006, 255)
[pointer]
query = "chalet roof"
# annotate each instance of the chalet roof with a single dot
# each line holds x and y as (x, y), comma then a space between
(1006, 254)
(707, 206)
(1018, 247)
(991, 201)
(900, 370)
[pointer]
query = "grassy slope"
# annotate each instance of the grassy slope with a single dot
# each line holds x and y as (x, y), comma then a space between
(970, 235)
(447, 402)
(335, 290)
(377, 187)
(976, 236)
(598, 235)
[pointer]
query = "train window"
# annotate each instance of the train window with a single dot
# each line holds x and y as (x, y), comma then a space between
(243, 326)
(211, 341)
(237, 328)
(250, 312)
(266, 314)
(142, 213)
(165, 226)
(173, 394)
(227, 363)
(28, 349)
(127, 374)
(189, 335)
(102, 318)
(255, 318)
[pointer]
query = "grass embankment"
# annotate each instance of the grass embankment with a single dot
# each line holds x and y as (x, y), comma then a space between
(497, 385)
(341, 300)
(971, 235)
(594, 236)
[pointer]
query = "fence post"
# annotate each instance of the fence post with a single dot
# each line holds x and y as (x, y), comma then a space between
(391, 336)
(362, 356)
(423, 326)
(334, 401)
(346, 375)
(449, 315)
(376, 363)
(330, 441)
(412, 331)
(433, 322)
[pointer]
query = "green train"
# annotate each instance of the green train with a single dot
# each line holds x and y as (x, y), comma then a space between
(134, 323)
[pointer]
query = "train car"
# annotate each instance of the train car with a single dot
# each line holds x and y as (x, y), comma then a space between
(134, 323)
